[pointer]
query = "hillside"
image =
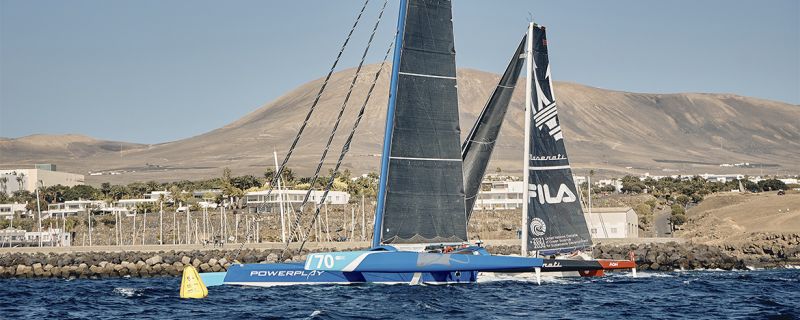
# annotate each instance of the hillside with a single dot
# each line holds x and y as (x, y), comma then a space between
(733, 217)
(613, 131)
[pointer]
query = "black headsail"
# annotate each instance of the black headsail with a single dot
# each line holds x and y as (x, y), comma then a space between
(424, 195)
(477, 149)
(555, 220)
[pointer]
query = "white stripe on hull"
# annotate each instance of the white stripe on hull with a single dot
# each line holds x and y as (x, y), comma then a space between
(280, 284)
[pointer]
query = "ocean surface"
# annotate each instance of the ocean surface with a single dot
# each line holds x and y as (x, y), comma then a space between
(765, 294)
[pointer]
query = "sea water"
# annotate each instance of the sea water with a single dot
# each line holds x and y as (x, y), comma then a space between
(767, 294)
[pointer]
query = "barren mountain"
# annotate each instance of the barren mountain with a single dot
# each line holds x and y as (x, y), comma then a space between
(610, 131)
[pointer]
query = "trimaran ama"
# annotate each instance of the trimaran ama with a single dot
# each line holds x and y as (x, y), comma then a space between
(429, 180)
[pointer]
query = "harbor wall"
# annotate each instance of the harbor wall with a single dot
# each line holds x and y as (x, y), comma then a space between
(769, 252)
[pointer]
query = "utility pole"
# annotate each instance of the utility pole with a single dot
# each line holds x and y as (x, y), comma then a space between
(133, 232)
(161, 223)
(327, 224)
(174, 224)
(363, 221)
(117, 225)
(39, 209)
(188, 226)
(236, 228)
(280, 197)
(352, 223)
(144, 226)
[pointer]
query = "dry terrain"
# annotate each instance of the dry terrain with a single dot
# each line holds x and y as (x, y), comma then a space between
(733, 217)
(613, 132)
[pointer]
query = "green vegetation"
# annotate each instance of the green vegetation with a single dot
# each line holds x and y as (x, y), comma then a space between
(233, 188)
(682, 192)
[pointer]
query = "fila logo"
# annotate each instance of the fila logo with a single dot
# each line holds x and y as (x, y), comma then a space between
(543, 193)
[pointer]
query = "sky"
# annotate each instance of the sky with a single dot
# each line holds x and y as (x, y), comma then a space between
(152, 71)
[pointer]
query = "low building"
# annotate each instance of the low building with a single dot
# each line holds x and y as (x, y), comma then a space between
(72, 208)
(257, 201)
(619, 222)
(43, 175)
(616, 183)
(9, 210)
(54, 237)
(500, 195)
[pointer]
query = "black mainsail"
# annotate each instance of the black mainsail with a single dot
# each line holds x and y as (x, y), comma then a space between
(422, 196)
(477, 148)
(554, 218)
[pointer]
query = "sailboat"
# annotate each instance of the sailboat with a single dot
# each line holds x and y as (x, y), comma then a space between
(553, 219)
(420, 231)
(421, 206)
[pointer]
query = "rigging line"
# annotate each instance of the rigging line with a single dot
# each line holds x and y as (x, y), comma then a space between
(346, 146)
(314, 104)
(308, 115)
(315, 177)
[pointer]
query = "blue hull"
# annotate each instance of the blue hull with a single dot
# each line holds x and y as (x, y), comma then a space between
(278, 274)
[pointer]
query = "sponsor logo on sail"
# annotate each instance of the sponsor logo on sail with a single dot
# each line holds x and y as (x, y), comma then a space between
(544, 195)
(538, 227)
(546, 113)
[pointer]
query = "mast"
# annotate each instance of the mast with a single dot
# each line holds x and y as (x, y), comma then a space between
(387, 136)
(280, 197)
(527, 153)
(555, 221)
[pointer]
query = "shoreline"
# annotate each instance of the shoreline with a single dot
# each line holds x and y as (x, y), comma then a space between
(169, 260)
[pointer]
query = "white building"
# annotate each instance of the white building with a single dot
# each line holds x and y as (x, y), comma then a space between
(8, 210)
(789, 181)
(500, 195)
(72, 208)
(258, 200)
(20, 238)
(621, 222)
(616, 183)
(721, 177)
(43, 175)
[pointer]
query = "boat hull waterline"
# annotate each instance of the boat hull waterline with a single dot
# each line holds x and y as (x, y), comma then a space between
(398, 267)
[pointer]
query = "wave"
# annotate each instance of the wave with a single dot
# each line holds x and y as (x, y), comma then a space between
(128, 292)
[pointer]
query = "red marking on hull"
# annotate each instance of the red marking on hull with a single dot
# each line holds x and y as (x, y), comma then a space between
(592, 273)
(617, 264)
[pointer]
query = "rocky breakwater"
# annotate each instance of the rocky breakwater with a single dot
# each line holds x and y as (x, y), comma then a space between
(766, 250)
(659, 256)
(94, 265)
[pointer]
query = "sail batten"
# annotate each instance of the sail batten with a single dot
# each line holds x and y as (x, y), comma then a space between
(424, 195)
(477, 149)
(553, 216)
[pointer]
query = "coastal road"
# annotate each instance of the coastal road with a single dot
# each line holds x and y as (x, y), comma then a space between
(661, 224)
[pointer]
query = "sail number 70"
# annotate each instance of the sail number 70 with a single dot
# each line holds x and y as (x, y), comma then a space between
(323, 259)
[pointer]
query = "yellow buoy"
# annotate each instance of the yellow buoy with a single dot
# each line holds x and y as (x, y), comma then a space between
(192, 287)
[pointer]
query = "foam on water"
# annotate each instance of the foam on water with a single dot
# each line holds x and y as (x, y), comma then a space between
(128, 292)
(700, 294)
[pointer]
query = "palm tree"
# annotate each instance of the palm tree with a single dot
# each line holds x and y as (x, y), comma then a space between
(4, 184)
(20, 179)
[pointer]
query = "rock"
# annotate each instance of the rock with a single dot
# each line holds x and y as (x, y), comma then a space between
(186, 260)
(154, 260)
